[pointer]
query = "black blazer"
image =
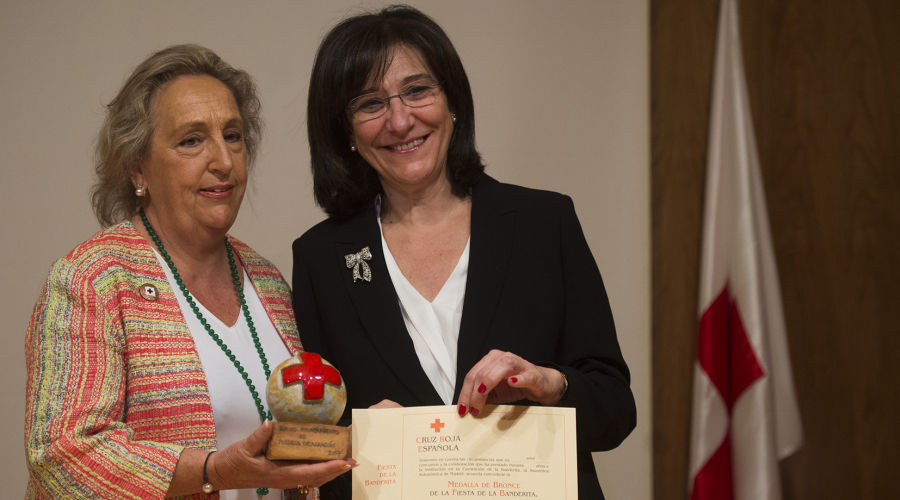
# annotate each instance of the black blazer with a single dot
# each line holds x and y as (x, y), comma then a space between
(533, 289)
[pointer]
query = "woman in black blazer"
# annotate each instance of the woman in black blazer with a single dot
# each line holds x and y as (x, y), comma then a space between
(432, 283)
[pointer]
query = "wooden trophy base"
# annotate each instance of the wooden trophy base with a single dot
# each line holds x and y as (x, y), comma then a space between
(308, 442)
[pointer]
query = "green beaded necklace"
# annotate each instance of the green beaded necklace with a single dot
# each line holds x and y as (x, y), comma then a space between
(263, 414)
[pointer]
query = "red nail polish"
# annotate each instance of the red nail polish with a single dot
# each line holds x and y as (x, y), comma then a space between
(513, 379)
(474, 412)
(481, 389)
(462, 410)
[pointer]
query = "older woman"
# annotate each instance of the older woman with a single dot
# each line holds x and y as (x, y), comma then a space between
(149, 340)
(432, 283)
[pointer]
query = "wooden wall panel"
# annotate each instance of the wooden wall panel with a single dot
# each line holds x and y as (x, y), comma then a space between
(681, 56)
(824, 82)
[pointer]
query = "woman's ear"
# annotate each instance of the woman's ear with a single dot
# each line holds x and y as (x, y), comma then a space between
(137, 176)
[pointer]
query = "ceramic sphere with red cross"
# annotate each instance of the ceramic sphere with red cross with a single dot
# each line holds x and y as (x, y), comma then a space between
(306, 389)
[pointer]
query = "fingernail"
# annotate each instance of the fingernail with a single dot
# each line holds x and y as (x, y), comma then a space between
(482, 388)
(462, 410)
(474, 412)
(266, 423)
(353, 463)
(513, 379)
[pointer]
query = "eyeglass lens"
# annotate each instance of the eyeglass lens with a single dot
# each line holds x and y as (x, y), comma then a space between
(415, 95)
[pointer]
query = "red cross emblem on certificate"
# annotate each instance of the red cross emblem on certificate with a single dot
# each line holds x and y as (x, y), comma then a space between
(437, 425)
(313, 374)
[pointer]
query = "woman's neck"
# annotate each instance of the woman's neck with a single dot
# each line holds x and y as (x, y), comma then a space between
(201, 259)
(426, 206)
(195, 253)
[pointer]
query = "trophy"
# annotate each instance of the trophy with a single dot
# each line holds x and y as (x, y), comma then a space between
(306, 396)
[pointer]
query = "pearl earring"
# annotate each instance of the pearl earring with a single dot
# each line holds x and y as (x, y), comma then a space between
(454, 117)
(140, 191)
(352, 147)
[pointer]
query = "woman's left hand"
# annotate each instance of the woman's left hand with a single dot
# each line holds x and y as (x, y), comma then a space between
(502, 377)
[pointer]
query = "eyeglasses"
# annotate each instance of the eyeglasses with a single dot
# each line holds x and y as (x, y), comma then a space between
(417, 94)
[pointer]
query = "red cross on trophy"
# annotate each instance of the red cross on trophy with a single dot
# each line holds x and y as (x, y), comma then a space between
(307, 397)
(313, 374)
(437, 425)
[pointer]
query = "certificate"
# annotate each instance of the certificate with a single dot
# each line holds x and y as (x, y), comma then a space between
(431, 452)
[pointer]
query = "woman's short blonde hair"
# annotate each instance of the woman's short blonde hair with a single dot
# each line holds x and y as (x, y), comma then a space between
(124, 139)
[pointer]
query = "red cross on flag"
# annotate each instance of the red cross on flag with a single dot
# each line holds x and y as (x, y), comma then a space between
(745, 415)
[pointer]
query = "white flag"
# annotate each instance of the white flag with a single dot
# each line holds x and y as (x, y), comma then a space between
(745, 416)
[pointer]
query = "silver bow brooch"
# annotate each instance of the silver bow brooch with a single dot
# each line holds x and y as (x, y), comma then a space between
(355, 260)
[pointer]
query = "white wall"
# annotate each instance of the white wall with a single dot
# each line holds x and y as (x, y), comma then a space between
(562, 102)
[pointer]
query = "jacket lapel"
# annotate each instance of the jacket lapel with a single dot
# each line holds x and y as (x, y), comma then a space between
(377, 305)
(273, 293)
(493, 226)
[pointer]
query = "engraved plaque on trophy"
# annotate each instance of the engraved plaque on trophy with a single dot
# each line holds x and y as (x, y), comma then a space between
(306, 396)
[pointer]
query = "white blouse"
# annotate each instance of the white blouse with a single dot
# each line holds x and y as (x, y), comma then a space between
(234, 411)
(433, 326)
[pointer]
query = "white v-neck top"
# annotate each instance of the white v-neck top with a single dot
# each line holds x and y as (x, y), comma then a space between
(234, 411)
(433, 326)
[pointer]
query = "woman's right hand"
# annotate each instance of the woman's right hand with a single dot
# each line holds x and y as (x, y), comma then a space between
(244, 465)
(385, 403)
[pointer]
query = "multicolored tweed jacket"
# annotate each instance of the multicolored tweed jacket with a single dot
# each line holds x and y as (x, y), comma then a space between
(115, 386)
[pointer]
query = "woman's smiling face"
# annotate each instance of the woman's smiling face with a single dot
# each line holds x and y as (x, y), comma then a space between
(407, 146)
(196, 169)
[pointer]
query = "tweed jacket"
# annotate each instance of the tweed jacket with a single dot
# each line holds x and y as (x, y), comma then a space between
(115, 387)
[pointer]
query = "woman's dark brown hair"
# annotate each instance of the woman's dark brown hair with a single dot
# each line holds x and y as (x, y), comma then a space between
(355, 52)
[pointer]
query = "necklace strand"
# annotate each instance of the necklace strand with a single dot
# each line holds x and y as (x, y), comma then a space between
(263, 414)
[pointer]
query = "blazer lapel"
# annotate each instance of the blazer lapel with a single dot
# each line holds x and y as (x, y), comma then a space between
(273, 293)
(493, 226)
(378, 308)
